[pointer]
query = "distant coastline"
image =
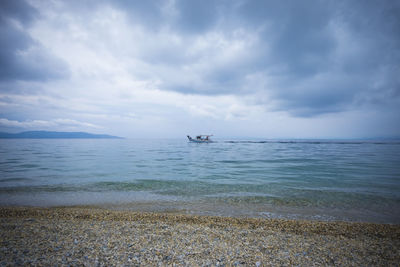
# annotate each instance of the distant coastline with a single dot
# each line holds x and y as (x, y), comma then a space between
(55, 135)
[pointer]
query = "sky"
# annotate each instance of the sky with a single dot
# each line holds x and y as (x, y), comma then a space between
(232, 68)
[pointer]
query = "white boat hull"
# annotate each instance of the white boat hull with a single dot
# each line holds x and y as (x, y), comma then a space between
(199, 140)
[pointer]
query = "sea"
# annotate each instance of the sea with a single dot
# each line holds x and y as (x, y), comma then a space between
(325, 180)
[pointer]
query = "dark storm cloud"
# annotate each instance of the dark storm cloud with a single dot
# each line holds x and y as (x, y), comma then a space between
(197, 16)
(148, 13)
(20, 10)
(298, 32)
(320, 72)
(21, 57)
(191, 16)
(321, 56)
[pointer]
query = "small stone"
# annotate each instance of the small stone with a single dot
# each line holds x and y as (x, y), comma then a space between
(167, 258)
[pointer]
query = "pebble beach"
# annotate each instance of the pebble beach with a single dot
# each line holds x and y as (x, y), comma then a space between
(98, 237)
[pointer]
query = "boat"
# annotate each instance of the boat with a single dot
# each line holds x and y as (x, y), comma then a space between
(202, 138)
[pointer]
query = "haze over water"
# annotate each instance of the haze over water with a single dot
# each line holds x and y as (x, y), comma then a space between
(323, 180)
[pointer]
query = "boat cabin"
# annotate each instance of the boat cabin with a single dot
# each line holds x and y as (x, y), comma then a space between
(201, 138)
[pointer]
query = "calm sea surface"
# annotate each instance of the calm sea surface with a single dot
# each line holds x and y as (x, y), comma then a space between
(322, 180)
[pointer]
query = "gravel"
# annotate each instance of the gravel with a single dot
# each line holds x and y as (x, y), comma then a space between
(97, 237)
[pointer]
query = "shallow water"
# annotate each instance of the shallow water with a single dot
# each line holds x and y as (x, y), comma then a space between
(324, 180)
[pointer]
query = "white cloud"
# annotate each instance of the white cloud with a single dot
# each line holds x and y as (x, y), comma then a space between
(39, 124)
(26, 124)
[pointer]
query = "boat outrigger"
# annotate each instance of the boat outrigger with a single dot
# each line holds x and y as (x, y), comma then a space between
(203, 138)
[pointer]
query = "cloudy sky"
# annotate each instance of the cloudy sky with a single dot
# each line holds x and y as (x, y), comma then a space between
(268, 69)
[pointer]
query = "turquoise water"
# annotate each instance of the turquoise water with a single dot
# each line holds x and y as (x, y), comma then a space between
(323, 180)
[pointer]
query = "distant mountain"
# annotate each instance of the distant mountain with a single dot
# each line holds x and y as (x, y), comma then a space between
(56, 135)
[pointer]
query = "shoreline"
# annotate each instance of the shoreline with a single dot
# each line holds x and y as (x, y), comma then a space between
(204, 208)
(95, 236)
